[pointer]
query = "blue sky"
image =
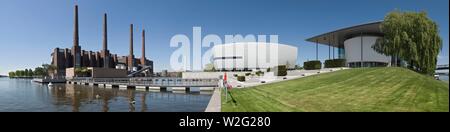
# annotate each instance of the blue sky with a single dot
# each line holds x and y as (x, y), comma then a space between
(30, 29)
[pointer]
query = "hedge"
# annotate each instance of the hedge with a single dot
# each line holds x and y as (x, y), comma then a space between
(259, 73)
(280, 70)
(241, 78)
(312, 65)
(247, 74)
(334, 63)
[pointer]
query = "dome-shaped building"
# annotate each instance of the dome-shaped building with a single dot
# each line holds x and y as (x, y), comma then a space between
(245, 56)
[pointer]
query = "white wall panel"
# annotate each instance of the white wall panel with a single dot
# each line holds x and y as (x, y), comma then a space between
(353, 50)
(254, 55)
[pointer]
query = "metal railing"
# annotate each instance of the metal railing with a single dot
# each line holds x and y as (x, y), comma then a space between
(156, 82)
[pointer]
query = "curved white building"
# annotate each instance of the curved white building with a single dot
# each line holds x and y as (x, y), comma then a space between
(253, 55)
(354, 44)
(355, 52)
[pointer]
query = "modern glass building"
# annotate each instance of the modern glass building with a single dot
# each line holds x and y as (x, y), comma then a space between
(354, 44)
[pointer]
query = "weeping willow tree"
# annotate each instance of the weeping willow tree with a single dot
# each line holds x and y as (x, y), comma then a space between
(412, 37)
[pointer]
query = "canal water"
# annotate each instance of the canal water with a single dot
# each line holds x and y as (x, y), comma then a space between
(443, 78)
(22, 95)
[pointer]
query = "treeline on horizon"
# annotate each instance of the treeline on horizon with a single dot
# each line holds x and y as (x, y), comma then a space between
(40, 71)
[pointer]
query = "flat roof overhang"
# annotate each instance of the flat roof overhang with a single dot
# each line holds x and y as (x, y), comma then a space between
(336, 38)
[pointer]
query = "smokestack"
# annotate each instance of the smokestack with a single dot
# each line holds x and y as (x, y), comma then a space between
(105, 52)
(131, 40)
(105, 32)
(131, 57)
(76, 49)
(143, 48)
(75, 34)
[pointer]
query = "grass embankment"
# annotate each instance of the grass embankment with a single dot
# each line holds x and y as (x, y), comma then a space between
(367, 89)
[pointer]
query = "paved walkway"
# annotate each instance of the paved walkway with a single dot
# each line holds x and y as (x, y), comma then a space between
(215, 102)
(255, 81)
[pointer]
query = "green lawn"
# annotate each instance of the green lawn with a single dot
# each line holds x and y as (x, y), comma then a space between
(367, 89)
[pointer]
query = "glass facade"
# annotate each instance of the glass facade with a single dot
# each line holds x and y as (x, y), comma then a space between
(367, 64)
(341, 52)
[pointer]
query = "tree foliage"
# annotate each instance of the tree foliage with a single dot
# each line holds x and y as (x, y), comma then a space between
(413, 37)
(12, 74)
(41, 71)
(83, 72)
(209, 68)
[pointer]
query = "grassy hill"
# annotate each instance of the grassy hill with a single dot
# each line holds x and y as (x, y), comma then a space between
(366, 89)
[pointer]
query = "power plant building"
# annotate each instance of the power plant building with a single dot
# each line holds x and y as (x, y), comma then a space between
(75, 57)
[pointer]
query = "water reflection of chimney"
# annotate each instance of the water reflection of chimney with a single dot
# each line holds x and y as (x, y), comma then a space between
(131, 100)
(143, 105)
(105, 107)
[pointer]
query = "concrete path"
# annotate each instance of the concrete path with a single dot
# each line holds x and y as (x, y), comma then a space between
(256, 81)
(215, 102)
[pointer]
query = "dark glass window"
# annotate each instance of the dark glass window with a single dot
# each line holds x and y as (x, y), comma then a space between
(226, 58)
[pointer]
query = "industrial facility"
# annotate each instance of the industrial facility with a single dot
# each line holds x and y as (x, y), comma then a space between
(104, 62)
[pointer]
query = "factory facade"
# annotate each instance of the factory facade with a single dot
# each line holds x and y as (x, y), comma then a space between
(75, 57)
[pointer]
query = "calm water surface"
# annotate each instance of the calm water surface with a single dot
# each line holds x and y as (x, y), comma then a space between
(25, 96)
(444, 78)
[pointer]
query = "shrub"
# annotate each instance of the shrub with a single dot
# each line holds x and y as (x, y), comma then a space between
(280, 70)
(179, 74)
(247, 74)
(259, 73)
(334, 63)
(241, 78)
(235, 75)
(83, 72)
(312, 65)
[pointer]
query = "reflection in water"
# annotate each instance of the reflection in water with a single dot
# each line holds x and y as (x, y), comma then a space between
(131, 100)
(80, 98)
(143, 104)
